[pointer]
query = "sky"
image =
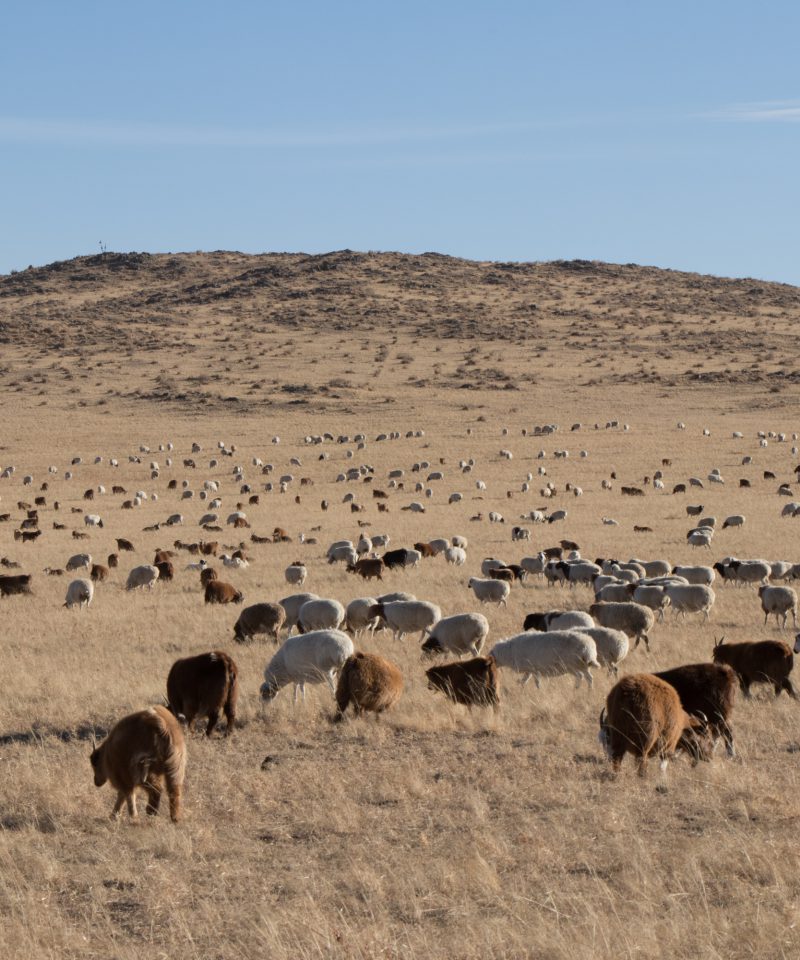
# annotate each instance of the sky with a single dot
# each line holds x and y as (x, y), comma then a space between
(665, 134)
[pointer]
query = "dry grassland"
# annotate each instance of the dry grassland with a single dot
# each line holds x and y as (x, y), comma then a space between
(433, 832)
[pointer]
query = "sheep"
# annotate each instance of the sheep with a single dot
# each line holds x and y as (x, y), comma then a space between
(204, 686)
(295, 574)
(78, 561)
(551, 654)
(581, 571)
(92, 520)
(520, 533)
(79, 593)
(615, 592)
(490, 591)
(706, 690)
(690, 598)
(144, 575)
(356, 615)
(368, 682)
(313, 657)
(644, 715)
(470, 682)
(632, 618)
(342, 550)
(292, 606)
(612, 646)
(651, 595)
(438, 545)
(259, 618)
(217, 591)
(558, 620)
(653, 568)
(456, 556)
(762, 661)
(407, 616)
(778, 600)
(748, 571)
(703, 575)
(736, 520)
(459, 634)
(535, 565)
(320, 614)
(11, 584)
(143, 750)
(491, 563)
(459, 541)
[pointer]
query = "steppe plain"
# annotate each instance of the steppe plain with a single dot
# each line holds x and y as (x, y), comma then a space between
(433, 832)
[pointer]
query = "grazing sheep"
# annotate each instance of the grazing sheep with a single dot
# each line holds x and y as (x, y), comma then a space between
(552, 654)
(615, 592)
(258, 618)
(407, 616)
(632, 618)
(473, 682)
(313, 657)
(320, 614)
(695, 574)
(558, 620)
(651, 595)
(762, 661)
(143, 750)
(357, 618)
(456, 556)
(204, 686)
(142, 576)
(706, 690)
(295, 574)
(11, 584)
(459, 634)
(217, 591)
(79, 593)
(78, 561)
(368, 682)
(490, 591)
(643, 716)
(535, 565)
(778, 600)
(690, 598)
(491, 563)
(612, 646)
(99, 572)
(737, 520)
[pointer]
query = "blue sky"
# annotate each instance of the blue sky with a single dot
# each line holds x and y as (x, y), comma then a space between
(664, 134)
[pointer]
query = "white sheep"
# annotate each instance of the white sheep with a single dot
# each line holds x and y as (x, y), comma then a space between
(92, 520)
(320, 614)
(292, 606)
(238, 563)
(144, 575)
(407, 616)
(736, 520)
(690, 598)
(295, 574)
(456, 556)
(79, 593)
(653, 596)
(357, 618)
(491, 563)
(704, 575)
(463, 633)
(552, 654)
(490, 591)
(535, 565)
(438, 545)
(612, 646)
(778, 600)
(632, 618)
(78, 561)
(313, 657)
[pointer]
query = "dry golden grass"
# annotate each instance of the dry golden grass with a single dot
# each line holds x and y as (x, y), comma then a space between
(431, 832)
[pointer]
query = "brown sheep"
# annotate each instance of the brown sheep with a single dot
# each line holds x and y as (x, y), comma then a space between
(207, 575)
(368, 682)
(143, 750)
(259, 618)
(204, 686)
(210, 549)
(762, 661)
(502, 573)
(425, 549)
(279, 535)
(17, 583)
(217, 591)
(161, 556)
(643, 715)
(706, 690)
(473, 682)
(368, 568)
(99, 572)
(123, 544)
(113, 560)
(165, 570)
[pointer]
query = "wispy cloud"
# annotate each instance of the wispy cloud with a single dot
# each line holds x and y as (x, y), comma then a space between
(776, 111)
(93, 133)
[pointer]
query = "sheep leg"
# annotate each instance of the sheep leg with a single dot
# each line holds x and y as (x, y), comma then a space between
(118, 804)
(130, 799)
(787, 686)
(153, 789)
(588, 675)
(213, 718)
(330, 677)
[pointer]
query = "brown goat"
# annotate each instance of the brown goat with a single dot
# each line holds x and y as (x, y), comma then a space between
(165, 570)
(113, 560)
(368, 682)
(643, 716)
(207, 575)
(217, 591)
(210, 549)
(204, 686)
(762, 661)
(17, 583)
(368, 568)
(706, 690)
(99, 572)
(473, 682)
(144, 749)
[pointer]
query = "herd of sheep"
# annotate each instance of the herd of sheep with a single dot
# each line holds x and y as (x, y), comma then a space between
(605, 606)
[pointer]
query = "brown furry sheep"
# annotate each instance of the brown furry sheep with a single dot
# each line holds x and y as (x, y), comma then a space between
(204, 686)
(473, 682)
(763, 661)
(217, 591)
(207, 575)
(99, 572)
(368, 682)
(259, 618)
(144, 749)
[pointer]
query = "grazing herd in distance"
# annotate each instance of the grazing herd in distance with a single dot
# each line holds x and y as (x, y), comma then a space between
(687, 708)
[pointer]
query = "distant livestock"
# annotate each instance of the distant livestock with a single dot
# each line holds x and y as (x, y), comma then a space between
(79, 594)
(459, 634)
(469, 682)
(217, 591)
(204, 686)
(761, 661)
(315, 657)
(551, 654)
(368, 683)
(142, 576)
(267, 618)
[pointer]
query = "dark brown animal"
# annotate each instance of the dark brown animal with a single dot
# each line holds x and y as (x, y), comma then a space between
(88, 494)
(118, 489)
(265, 618)
(207, 575)
(79, 535)
(368, 682)
(425, 549)
(147, 750)
(204, 686)
(707, 690)
(569, 545)
(240, 522)
(123, 544)
(27, 536)
(643, 716)
(379, 494)
(631, 492)
(368, 568)
(761, 661)
(59, 526)
(637, 529)
(99, 572)
(217, 591)
(279, 535)
(161, 556)
(473, 682)
(679, 488)
(51, 572)
(165, 570)
(14, 583)
(256, 539)
(502, 573)
(210, 548)
(113, 561)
